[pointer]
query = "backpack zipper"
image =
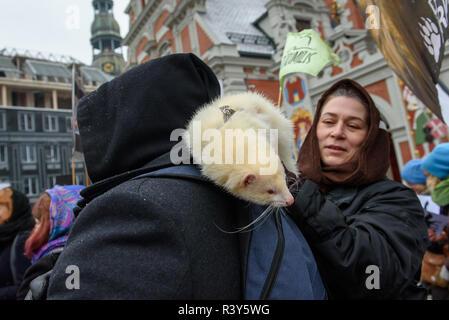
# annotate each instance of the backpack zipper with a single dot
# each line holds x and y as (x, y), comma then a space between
(276, 263)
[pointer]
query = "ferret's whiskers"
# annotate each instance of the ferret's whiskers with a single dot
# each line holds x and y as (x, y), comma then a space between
(285, 211)
(265, 214)
(261, 218)
(294, 184)
(291, 179)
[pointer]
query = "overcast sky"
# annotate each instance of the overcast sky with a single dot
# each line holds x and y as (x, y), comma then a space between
(53, 26)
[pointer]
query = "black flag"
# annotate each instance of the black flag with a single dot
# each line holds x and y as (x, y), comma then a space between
(411, 35)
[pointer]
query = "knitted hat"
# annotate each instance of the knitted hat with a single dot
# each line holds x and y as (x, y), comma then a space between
(4, 185)
(437, 162)
(413, 173)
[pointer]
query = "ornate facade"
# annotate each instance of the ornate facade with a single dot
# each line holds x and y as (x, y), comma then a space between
(242, 41)
(36, 137)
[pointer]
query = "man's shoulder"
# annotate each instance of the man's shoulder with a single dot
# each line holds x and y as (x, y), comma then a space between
(172, 187)
(167, 195)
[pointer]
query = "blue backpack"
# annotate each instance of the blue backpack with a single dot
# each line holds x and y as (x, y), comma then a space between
(280, 263)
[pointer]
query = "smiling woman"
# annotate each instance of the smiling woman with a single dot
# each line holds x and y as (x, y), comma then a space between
(341, 129)
(354, 218)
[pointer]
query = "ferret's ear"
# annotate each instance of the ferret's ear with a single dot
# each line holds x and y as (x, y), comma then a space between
(249, 179)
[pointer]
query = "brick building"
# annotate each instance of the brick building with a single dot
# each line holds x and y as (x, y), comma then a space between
(36, 139)
(242, 41)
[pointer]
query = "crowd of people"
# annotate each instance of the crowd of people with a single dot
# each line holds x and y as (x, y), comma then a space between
(139, 234)
(429, 178)
(30, 235)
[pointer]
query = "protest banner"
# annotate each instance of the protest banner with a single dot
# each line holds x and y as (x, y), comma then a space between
(305, 52)
(411, 36)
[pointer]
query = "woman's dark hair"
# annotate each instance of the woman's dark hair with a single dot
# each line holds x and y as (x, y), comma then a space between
(39, 236)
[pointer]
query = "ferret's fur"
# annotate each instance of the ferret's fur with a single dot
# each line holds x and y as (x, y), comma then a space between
(261, 114)
(252, 111)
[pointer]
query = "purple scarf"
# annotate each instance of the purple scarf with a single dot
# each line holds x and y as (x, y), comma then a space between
(63, 200)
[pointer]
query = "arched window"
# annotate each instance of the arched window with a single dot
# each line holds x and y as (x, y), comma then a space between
(165, 48)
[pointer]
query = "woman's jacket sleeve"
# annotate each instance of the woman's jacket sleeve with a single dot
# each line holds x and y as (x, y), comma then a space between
(370, 248)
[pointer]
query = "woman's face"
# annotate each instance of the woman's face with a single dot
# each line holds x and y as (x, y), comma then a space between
(417, 187)
(341, 129)
(4, 213)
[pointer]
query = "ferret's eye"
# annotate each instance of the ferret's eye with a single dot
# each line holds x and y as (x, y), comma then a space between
(270, 191)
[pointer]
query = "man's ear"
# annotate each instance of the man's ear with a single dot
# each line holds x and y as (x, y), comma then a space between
(249, 179)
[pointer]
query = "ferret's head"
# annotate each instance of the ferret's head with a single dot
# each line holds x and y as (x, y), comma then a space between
(263, 189)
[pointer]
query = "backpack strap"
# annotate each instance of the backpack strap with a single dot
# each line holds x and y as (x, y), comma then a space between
(280, 263)
(276, 262)
(184, 171)
(17, 258)
(13, 260)
(39, 287)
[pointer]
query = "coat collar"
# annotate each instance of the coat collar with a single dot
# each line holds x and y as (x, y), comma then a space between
(100, 187)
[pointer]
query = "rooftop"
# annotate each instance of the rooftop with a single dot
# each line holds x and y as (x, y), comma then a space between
(47, 69)
(6, 65)
(38, 55)
(237, 25)
(92, 75)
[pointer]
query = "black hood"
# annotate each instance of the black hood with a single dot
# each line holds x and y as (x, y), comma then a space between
(127, 122)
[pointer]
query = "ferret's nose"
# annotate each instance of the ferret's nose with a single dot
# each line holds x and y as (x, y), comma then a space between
(290, 202)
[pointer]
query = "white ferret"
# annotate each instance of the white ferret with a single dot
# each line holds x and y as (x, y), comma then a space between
(259, 176)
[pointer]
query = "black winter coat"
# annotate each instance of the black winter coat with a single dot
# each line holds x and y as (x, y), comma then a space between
(13, 264)
(154, 238)
(37, 269)
(149, 238)
(350, 229)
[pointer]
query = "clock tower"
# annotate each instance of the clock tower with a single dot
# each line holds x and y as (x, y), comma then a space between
(106, 39)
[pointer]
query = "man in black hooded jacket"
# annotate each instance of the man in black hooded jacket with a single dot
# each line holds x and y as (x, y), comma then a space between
(148, 238)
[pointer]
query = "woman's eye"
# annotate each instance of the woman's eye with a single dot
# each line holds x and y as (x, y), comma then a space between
(271, 191)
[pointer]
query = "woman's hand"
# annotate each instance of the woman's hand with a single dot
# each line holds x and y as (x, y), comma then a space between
(437, 238)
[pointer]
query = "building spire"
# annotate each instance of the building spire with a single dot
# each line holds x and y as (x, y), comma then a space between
(106, 39)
